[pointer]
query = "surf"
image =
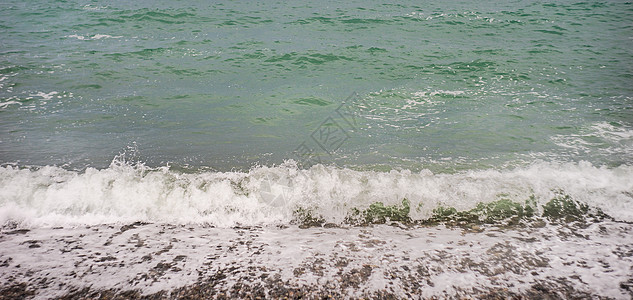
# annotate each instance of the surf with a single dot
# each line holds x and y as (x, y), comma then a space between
(285, 194)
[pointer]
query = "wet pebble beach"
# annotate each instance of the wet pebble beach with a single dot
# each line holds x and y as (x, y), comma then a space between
(158, 261)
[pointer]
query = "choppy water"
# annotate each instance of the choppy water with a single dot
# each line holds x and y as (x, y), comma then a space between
(443, 104)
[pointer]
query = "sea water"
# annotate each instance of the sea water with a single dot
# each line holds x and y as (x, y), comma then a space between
(308, 113)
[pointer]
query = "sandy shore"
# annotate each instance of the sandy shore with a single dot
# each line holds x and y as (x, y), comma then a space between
(158, 261)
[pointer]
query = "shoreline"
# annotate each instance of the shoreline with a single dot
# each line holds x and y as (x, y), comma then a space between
(281, 290)
(162, 261)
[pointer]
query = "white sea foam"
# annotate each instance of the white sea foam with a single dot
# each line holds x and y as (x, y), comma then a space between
(94, 37)
(7, 103)
(607, 137)
(428, 262)
(104, 36)
(52, 196)
(94, 7)
(45, 96)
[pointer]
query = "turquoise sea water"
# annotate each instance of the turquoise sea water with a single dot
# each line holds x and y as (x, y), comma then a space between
(206, 88)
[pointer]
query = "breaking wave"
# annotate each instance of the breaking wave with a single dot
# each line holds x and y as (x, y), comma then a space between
(132, 192)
